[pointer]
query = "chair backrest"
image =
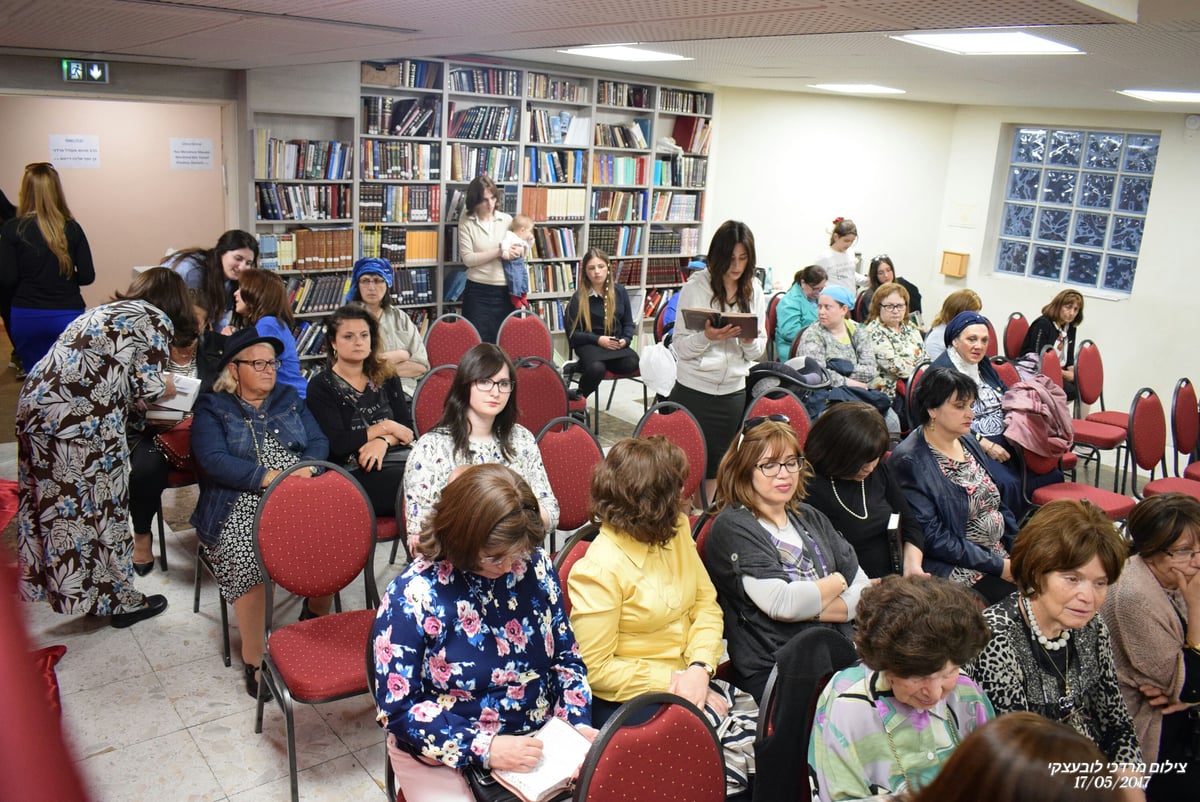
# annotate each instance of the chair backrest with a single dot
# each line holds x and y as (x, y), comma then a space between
(575, 547)
(570, 453)
(1006, 370)
(524, 334)
(701, 530)
(1185, 420)
(1050, 366)
(541, 394)
(781, 401)
(915, 378)
(679, 426)
(429, 400)
(674, 756)
(772, 321)
(1014, 334)
(795, 349)
(993, 348)
(1089, 374)
(313, 536)
(1147, 435)
(448, 338)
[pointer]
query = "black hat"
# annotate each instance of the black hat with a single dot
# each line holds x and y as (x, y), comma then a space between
(242, 339)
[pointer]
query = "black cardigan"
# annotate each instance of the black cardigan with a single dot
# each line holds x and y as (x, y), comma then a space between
(1043, 332)
(342, 423)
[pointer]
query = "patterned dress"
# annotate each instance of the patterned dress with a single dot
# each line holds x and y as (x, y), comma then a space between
(73, 535)
(985, 519)
(897, 354)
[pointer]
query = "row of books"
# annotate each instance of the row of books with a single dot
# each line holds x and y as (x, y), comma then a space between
(541, 86)
(384, 243)
(616, 240)
(307, 249)
(552, 277)
(692, 134)
(655, 300)
(400, 161)
(618, 93)
(554, 203)
(315, 294)
(666, 271)
(609, 168)
(631, 135)
(498, 162)
(558, 128)
(552, 311)
(675, 207)
(665, 240)
(414, 285)
(617, 205)
(302, 201)
(554, 242)
(554, 166)
(409, 73)
(310, 338)
(498, 123)
(486, 81)
(681, 171)
(399, 203)
(680, 101)
(299, 159)
(402, 116)
(628, 273)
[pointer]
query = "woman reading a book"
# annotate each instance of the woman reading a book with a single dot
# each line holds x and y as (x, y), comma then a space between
(361, 407)
(473, 649)
(600, 324)
(399, 340)
(712, 363)
(261, 303)
(486, 300)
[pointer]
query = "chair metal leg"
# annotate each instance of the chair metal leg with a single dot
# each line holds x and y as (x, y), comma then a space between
(225, 651)
(196, 597)
(291, 744)
(596, 403)
(162, 539)
(395, 548)
(612, 389)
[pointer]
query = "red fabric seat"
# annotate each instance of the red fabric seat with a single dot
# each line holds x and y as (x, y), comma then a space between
(429, 399)
(524, 334)
(1114, 505)
(680, 426)
(449, 338)
(321, 658)
(781, 401)
(1147, 443)
(570, 453)
(1100, 435)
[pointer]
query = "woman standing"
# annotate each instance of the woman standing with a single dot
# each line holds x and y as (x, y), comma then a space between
(712, 365)
(1057, 326)
(360, 406)
(897, 342)
(213, 273)
(73, 530)
(44, 260)
(399, 341)
(261, 303)
(797, 308)
(1153, 617)
(837, 259)
(836, 337)
(485, 300)
(600, 324)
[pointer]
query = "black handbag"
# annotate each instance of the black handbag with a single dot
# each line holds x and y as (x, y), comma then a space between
(485, 788)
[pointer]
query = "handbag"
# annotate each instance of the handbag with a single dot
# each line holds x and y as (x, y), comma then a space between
(485, 788)
(176, 445)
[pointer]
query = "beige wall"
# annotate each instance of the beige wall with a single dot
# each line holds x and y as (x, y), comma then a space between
(134, 206)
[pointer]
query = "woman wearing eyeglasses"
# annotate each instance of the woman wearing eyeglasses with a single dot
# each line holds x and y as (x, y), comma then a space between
(1153, 617)
(478, 426)
(261, 303)
(779, 566)
(400, 341)
(246, 432)
(899, 347)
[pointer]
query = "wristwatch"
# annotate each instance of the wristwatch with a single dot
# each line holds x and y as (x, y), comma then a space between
(707, 668)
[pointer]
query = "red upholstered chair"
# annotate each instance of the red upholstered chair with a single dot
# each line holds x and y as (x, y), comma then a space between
(672, 757)
(679, 426)
(1146, 445)
(429, 399)
(781, 401)
(1014, 334)
(915, 378)
(570, 453)
(449, 338)
(1006, 371)
(1116, 506)
(313, 537)
(1089, 380)
(1185, 427)
(175, 479)
(1050, 366)
(700, 530)
(609, 376)
(524, 334)
(575, 547)
(660, 326)
(993, 348)
(771, 322)
(541, 394)
(393, 529)
(796, 344)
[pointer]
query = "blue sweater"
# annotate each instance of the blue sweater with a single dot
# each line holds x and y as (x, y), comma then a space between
(271, 326)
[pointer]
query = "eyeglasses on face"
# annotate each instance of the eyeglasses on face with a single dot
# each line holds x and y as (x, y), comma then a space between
(504, 385)
(260, 365)
(507, 559)
(893, 307)
(773, 469)
(1182, 555)
(372, 280)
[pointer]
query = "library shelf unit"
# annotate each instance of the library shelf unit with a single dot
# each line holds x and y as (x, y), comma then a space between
(577, 152)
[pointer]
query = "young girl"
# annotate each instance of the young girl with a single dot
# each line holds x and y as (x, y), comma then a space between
(261, 301)
(600, 324)
(838, 261)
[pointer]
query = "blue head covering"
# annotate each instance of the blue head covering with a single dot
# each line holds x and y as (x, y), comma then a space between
(371, 264)
(839, 294)
(696, 264)
(961, 321)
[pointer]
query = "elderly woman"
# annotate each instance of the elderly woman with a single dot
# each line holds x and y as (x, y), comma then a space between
(797, 308)
(940, 467)
(957, 301)
(1049, 652)
(889, 723)
(644, 609)
(1153, 617)
(73, 540)
(361, 407)
(244, 434)
(472, 645)
(778, 565)
(897, 342)
(858, 492)
(836, 337)
(400, 341)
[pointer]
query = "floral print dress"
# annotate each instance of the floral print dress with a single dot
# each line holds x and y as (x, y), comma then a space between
(897, 354)
(461, 658)
(73, 537)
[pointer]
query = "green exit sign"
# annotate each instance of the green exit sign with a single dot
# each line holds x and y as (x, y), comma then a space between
(77, 71)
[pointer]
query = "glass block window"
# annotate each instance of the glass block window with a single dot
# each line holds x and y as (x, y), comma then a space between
(1074, 206)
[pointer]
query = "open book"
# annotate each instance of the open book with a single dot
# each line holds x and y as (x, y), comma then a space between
(174, 409)
(563, 751)
(694, 319)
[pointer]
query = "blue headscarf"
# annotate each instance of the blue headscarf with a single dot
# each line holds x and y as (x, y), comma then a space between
(839, 294)
(371, 264)
(961, 321)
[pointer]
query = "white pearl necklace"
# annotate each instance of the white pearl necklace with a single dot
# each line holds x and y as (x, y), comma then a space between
(1052, 645)
(862, 484)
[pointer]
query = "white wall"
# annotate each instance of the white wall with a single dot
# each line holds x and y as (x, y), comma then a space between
(918, 178)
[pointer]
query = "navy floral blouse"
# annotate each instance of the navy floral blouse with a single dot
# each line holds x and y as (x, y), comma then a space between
(460, 658)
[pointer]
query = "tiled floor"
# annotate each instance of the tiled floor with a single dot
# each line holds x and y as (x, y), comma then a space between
(152, 713)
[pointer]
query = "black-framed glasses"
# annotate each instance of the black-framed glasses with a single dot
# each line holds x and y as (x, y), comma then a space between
(773, 469)
(260, 365)
(505, 386)
(893, 307)
(372, 280)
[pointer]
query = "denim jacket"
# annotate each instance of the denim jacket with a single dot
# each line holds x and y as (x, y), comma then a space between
(223, 444)
(940, 506)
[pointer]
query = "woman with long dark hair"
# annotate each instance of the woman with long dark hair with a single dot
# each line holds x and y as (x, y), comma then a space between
(486, 301)
(600, 323)
(213, 273)
(261, 302)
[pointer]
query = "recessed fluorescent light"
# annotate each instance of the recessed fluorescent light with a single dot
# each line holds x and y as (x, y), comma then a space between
(988, 43)
(1162, 95)
(625, 52)
(858, 89)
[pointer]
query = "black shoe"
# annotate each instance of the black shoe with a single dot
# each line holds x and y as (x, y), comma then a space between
(154, 605)
(252, 684)
(143, 569)
(573, 395)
